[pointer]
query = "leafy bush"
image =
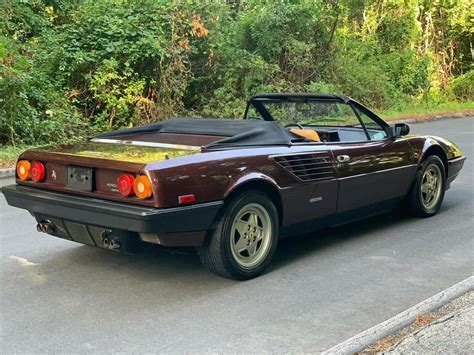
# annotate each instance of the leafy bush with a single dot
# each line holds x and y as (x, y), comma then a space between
(32, 109)
(407, 71)
(363, 77)
(463, 86)
(118, 92)
(321, 87)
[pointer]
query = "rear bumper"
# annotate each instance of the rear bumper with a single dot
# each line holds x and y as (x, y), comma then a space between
(115, 216)
(454, 167)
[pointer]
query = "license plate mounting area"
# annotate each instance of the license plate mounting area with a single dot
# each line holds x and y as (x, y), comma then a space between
(79, 178)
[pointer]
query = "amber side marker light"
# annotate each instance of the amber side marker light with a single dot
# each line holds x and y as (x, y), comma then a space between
(37, 171)
(23, 169)
(142, 187)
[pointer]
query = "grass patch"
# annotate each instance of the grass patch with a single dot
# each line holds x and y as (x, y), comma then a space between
(9, 154)
(425, 111)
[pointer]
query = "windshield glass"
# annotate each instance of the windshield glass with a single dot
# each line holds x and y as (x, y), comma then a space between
(307, 112)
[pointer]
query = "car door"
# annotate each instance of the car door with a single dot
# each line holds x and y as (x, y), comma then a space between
(313, 194)
(379, 169)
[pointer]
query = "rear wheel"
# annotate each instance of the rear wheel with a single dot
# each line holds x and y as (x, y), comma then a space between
(426, 195)
(244, 237)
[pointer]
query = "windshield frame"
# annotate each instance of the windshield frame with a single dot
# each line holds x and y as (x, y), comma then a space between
(257, 102)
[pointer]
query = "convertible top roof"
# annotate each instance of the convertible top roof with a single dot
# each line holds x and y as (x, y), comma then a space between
(235, 133)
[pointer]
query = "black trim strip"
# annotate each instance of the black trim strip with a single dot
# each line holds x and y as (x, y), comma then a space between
(113, 214)
(378, 171)
(456, 160)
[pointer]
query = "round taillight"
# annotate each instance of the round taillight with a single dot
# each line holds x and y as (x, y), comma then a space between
(37, 171)
(125, 184)
(23, 169)
(142, 187)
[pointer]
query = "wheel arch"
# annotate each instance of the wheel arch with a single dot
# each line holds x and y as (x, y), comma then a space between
(438, 151)
(265, 185)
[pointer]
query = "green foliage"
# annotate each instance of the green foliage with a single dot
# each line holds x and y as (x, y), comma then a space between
(69, 68)
(321, 87)
(32, 109)
(463, 86)
(118, 91)
(397, 27)
(407, 71)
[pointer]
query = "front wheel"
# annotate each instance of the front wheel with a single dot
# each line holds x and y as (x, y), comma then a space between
(244, 237)
(427, 193)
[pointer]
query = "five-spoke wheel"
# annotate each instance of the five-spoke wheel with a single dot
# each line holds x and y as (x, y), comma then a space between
(427, 193)
(251, 235)
(244, 238)
(431, 186)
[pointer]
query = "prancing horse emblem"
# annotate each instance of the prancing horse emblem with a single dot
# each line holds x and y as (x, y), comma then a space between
(53, 174)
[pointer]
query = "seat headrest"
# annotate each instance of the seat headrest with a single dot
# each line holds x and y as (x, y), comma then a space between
(306, 133)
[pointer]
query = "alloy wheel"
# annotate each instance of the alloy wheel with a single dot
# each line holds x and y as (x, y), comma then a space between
(251, 235)
(431, 184)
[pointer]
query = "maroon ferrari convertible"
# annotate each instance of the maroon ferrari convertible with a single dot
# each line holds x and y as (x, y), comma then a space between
(232, 188)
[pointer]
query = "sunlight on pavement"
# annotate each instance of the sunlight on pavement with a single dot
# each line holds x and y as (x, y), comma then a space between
(22, 261)
(29, 271)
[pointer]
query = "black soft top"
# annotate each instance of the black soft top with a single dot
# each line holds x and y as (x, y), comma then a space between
(235, 133)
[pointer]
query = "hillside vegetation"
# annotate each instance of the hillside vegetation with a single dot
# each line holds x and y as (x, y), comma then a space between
(70, 68)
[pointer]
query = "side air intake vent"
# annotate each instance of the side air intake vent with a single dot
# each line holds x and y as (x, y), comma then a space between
(308, 167)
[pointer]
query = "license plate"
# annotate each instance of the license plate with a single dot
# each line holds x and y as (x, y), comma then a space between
(79, 178)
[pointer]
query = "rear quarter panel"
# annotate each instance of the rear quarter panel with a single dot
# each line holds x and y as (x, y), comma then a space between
(213, 175)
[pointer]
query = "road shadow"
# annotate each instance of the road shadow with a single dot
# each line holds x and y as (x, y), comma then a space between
(157, 263)
(292, 249)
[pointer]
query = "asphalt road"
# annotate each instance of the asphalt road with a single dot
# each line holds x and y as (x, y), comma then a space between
(58, 296)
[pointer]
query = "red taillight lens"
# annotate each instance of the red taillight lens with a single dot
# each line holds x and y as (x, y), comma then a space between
(37, 171)
(23, 169)
(125, 184)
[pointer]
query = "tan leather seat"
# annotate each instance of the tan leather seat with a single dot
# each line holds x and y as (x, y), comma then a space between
(306, 133)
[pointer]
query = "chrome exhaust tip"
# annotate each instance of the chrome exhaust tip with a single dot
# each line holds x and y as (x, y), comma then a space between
(49, 227)
(114, 244)
(46, 227)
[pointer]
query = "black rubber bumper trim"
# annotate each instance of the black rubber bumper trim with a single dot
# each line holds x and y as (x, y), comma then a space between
(456, 161)
(454, 167)
(112, 214)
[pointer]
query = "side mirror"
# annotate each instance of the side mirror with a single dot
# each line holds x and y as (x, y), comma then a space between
(401, 129)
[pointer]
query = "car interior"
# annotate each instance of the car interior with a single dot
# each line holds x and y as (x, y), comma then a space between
(317, 120)
(333, 134)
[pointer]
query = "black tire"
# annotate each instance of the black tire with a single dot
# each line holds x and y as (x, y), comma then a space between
(415, 200)
(217, 254)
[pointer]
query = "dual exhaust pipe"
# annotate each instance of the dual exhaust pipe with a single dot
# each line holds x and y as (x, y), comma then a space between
(109, 243)
(46, 227)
